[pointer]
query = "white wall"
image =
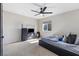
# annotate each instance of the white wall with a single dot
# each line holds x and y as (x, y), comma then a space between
(62, 23)
(12, 26)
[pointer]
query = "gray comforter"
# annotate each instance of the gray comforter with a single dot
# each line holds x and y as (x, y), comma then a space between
(69, 47)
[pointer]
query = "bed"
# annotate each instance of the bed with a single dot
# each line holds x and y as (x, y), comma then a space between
(59, 47)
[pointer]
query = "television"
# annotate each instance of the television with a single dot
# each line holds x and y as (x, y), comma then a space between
(30, 30)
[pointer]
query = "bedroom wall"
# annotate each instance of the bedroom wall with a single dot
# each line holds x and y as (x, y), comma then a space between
(12, 26)
(62, 23)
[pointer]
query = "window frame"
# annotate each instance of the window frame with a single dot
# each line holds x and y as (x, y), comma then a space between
(47, 24)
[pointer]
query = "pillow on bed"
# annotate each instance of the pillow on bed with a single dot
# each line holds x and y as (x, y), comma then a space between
(64, 38)
(77, 41)
(61, 38)
(71, 38)
(54, 39)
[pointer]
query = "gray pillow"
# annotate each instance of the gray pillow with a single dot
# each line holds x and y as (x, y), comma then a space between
(71, 38)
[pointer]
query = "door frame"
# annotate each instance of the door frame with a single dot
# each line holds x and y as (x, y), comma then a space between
(1, 29)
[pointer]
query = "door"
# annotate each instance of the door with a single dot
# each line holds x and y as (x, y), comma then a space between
(1, 36)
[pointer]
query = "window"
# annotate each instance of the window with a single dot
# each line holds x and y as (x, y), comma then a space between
(47, 26)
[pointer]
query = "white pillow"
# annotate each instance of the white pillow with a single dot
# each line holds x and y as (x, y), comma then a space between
(77, 41)
(64, 39)
(57, 35)
(54, 39)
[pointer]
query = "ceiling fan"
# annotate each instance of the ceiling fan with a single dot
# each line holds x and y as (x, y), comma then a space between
(42, 10)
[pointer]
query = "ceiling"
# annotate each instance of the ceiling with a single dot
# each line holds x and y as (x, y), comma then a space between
(25, 8)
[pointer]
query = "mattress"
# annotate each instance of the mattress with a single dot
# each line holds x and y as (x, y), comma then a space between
(76, 48)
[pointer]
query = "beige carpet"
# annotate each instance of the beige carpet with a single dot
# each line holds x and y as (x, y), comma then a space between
(26, 48)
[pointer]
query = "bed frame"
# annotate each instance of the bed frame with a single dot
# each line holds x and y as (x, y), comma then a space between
(57, 50)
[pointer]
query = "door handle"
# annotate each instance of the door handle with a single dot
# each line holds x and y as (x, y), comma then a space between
(1, 36)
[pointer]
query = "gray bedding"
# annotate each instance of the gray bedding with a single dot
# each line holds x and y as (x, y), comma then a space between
(69, 47)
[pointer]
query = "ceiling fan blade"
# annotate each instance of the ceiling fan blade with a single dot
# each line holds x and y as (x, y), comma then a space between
(44, 9)
(37, 5)
(36, 14)
(35, 11)
(47, 12)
